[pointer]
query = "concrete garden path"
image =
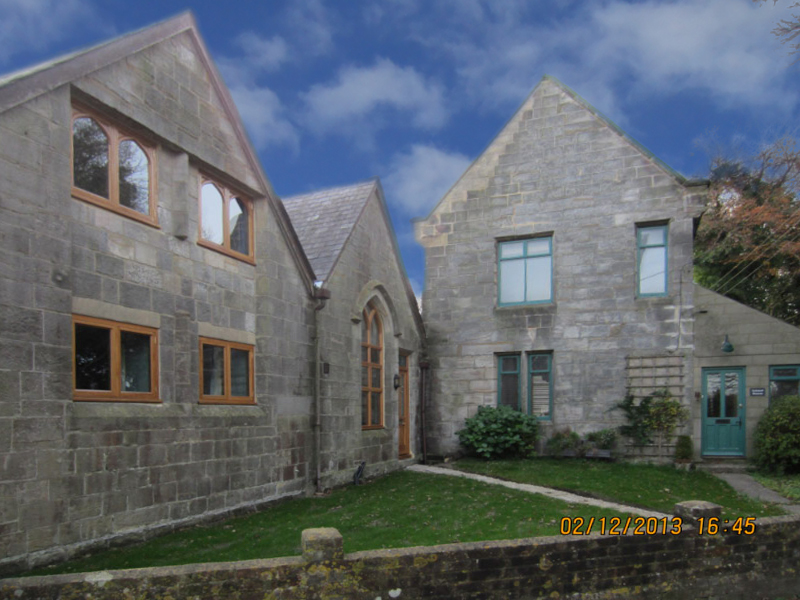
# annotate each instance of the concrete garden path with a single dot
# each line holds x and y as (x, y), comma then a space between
(536, 489)
(746, 485)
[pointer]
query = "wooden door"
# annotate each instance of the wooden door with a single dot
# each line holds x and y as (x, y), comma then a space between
(404, 418)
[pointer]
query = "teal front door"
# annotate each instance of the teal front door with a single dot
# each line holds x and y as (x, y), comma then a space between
(723, 412)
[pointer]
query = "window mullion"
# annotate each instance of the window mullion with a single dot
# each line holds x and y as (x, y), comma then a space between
(116, 362)
(113, 165)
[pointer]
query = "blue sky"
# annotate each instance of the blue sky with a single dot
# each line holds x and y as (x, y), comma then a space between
(336, 91)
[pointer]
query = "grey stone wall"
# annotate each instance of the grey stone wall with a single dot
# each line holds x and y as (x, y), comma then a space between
(74, 473)
(367, 269)
(557, 167)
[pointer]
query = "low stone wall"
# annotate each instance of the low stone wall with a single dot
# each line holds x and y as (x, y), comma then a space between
(763, 565)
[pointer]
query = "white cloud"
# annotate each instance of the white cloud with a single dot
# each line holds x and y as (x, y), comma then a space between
(266, 54)
(362, 93)
(418, 179)
(312, 26)
(264, 116)
(36, 24)
(721, 48)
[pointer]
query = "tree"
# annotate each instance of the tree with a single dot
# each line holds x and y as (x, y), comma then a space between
(747, 246)
(787, 30)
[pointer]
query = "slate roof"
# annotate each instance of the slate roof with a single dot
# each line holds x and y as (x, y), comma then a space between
(325, 219)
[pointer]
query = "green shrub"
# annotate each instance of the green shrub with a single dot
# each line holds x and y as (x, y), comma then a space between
(604, 439)
(659, 413)
(564, 440)
(500, 432)
(777, 437)
(684, 450)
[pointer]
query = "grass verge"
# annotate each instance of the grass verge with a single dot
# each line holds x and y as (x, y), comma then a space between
(787, 486)
(398, 510)
(649, 486)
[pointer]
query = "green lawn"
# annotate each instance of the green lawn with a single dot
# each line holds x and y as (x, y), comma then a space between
(400, 509)
(786, 485)
(649, 486)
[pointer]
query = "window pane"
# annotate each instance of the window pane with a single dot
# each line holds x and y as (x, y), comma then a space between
(239, 226)
(539, 246)
(364, 354)
(651, 271)
(364, 332)
(403, 360)
(92, 358)
(783, 388)
(713, 384)
(540, 394)
(376, 379)
(509, 385)
(90, 157)
(512, 250)
(376, 409)
(731, 394)
(652, 236)
(135, 361)
(134, 177)
(539, 279)
(374, 332)
(512, 281)
(364, 377)
(213, 370)
(240, 372)
(364, 408)
(211, 214)
(539, 363)
(376, 356)
(508, 364)
(785, 372)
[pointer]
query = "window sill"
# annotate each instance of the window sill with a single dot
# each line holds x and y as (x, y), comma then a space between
(543, 307)
(124, 211)
(223, 250)
(228, 401)
(105, 398)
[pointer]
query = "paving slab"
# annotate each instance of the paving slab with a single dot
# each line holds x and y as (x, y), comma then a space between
(536, 489)
(746, 485)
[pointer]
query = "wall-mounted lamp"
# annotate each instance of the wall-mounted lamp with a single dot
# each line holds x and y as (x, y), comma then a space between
(727, 347)
(396, 381)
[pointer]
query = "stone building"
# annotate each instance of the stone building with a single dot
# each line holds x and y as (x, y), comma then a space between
(166, 353)
(558, 279)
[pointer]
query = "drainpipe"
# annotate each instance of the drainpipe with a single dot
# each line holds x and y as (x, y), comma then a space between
(423, 371)
(320, 295)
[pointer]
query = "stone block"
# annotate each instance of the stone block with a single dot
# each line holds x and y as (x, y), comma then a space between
(322, 544)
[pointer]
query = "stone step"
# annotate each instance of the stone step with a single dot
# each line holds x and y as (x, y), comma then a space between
(723, 465)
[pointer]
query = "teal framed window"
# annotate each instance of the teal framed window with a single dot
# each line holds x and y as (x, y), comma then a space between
(525, 271)
(508, 380)
(784, 381)
(651, 260)
(540, 385)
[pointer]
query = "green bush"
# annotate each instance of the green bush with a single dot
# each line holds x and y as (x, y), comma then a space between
(604, 439)
(564, 440)
(777, 437)
(659, 413)
(500, 432)
(684, 450)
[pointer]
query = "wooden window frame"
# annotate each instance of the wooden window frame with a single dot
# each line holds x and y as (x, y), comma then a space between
(227, 195)
(226, 398)
(501, 372)
(116, 135)
(115, 394)
(370, 313)
(640, 252)
(531, 373)
(524, 258)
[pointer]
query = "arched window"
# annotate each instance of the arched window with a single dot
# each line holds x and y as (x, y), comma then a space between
(112, 169)
(226, 221)
(371, 369)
